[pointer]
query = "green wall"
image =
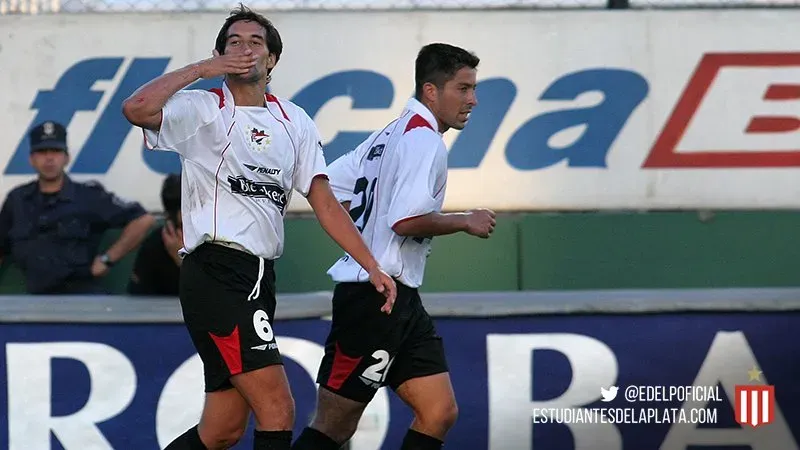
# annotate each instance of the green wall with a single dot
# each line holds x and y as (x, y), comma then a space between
(567, 251)
(660, 250)
(457, 263)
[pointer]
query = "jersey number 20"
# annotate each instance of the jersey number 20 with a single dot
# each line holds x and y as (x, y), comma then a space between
(360, 213)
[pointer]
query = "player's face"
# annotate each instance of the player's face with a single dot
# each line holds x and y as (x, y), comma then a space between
(49, 163)
(457, 98)
(244, 36)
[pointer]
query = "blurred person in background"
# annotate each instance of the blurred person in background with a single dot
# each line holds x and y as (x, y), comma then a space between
(156, 271)
(52, 227)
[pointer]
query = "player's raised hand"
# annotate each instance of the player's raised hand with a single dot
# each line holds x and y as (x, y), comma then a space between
(480, 222)
(385, 285)
(229, 63)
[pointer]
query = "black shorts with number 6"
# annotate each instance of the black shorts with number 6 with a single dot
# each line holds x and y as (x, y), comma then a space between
(367, 349)
(228, 302)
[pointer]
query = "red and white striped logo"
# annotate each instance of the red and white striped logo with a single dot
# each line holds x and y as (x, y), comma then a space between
(755, 405)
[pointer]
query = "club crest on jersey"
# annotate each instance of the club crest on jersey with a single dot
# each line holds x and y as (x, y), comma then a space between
(258, 139)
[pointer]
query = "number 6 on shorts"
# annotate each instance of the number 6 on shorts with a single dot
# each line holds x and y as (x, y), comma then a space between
(262, 326)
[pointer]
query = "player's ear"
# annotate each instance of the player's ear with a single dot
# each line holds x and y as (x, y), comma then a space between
(215, 52)
(271, 61)
(430, 92)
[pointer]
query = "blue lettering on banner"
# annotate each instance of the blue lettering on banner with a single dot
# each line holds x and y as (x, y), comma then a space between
(622, 90)
(527, 149)
(78, 385)
(367, 90)
(72, 93)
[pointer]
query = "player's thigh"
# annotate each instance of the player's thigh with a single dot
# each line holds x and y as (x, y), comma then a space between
(422, 353)
(225, 416)
(209, 320)
(267, 392)
(362, 342)
(260, 377)
(231, 330)
(430, 396)
(420, 374)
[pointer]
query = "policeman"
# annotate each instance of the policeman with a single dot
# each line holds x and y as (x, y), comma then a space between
(52, 227)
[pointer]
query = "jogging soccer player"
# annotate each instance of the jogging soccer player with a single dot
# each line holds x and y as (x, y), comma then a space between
(394, 185)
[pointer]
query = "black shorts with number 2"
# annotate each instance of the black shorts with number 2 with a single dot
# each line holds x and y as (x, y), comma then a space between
(228, 302)
(367, 349)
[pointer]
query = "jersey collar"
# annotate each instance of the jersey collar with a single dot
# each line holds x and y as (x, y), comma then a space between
(227, 103)
(417, 107)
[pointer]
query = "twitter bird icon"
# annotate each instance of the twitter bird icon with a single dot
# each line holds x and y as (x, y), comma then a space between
(609, 394)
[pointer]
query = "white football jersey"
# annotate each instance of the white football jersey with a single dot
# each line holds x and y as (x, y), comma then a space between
(240, 165)
(398, 173)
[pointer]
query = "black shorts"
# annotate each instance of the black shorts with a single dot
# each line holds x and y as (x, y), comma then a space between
(367, 349)
(228, 318)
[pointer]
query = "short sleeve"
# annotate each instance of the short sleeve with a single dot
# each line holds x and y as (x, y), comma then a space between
(182, 118)
(310, 158)
(418, 170)
(113, 211)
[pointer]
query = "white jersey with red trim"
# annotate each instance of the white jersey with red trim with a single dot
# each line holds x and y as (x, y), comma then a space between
(398, 173)
(240, 165)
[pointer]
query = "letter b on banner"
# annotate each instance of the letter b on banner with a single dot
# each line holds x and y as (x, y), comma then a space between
(593, 364)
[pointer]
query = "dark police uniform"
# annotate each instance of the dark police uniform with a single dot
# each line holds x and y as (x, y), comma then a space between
(54, 238)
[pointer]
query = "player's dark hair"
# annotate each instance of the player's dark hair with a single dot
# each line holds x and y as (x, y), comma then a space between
(171, 196)
(243, 13)
(438, 63)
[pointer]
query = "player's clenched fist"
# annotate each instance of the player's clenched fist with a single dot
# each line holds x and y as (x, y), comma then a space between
(229, 63)
(480, 222)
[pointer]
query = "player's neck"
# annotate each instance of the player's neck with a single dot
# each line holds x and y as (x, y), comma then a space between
(442, 127)
(248, 94)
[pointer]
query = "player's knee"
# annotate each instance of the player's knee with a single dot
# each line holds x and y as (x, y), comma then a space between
(288, 412)
(224, 438)
(339, 427)
(442, 416)
(277, 414)
(337, 416)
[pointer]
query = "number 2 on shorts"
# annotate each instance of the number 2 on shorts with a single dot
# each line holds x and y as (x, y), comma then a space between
(373, 372)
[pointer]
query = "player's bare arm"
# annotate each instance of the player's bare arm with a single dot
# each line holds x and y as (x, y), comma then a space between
(337, 223)
(143, 107)
(477, 222)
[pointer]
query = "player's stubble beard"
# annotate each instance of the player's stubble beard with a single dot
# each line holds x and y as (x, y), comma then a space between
(253, 77)
(258, 74)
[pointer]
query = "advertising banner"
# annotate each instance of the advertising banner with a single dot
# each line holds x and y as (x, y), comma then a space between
(577, 110)
(605, 382)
